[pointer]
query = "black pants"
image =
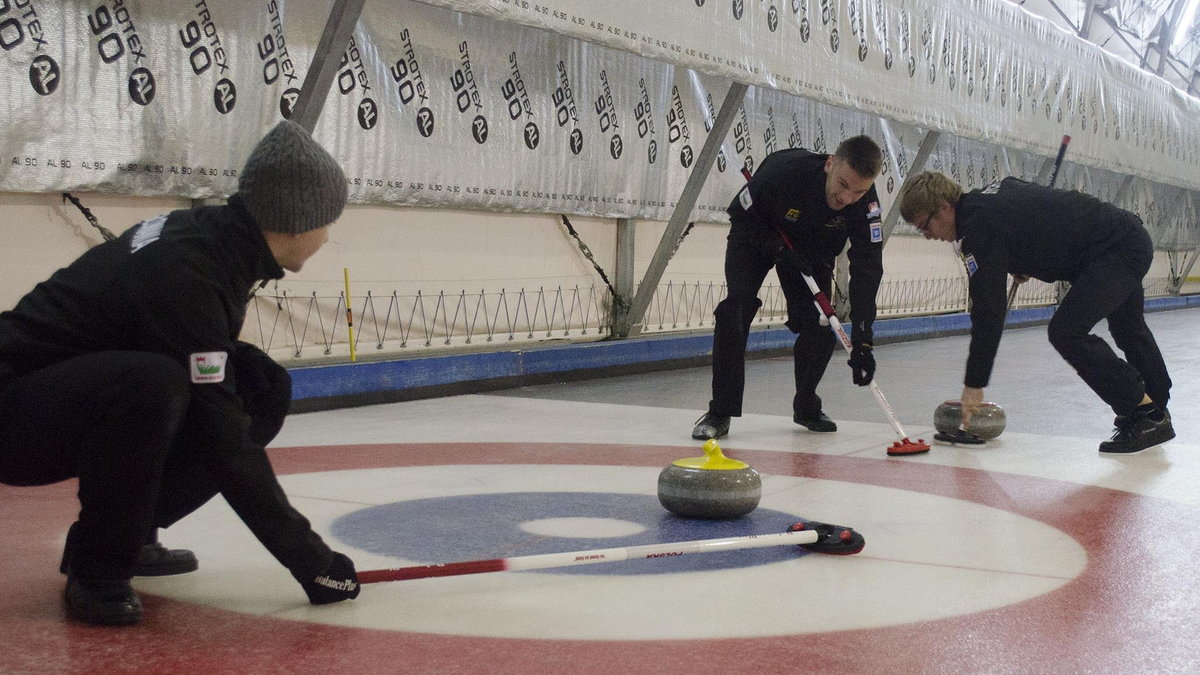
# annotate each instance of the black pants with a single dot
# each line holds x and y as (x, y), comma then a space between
(746, 266)
(118, 422)
(1110, 287)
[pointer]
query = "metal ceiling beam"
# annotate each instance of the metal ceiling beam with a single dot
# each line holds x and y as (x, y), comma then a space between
(928, 143)
(325, 63)
(624, 326)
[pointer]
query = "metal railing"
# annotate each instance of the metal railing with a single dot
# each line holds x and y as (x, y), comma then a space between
(314, 326)
(302, 324)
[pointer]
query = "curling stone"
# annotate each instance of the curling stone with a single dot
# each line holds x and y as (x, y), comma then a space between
(713, 486)
(987, 422)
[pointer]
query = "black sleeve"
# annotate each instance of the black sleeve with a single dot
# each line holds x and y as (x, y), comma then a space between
(761, 189)
(986, 259)
(180, 311)
(866, 268)
(758, 199)
(247, 482)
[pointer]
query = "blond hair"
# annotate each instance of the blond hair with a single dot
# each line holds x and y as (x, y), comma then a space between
(925, 192)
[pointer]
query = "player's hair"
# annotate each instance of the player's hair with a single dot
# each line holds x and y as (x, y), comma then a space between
(925, 192)
(862, 154)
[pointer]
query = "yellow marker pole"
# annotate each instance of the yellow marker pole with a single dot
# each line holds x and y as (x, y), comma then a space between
(349, 314)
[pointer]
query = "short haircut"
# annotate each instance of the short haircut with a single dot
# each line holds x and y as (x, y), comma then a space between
(862, 154)
(925, 192)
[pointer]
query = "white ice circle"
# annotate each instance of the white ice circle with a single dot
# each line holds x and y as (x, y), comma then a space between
(582, 528)
(927, 558)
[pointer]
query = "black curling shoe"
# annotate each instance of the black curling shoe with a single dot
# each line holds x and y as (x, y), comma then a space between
(103, 603)
(156, 560)
(710, 425)
(821, 423)
(153, 560)
(1137, 432)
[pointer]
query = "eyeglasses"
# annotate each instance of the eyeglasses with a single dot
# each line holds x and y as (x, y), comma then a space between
(925, 226)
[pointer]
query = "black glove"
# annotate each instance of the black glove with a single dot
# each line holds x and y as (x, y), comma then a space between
(781, 254)
(862, 362)
(338, 582)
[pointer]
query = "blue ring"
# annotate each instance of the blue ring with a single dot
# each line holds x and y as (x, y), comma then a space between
(487, 526)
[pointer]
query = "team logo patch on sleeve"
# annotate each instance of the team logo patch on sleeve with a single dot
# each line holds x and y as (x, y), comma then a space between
(876, 232)
(792, 215)
(208, 367)
(873, 210)
(972, 266)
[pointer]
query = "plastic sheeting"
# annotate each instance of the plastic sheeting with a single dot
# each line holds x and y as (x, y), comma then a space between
(573, 106)
(981, 69)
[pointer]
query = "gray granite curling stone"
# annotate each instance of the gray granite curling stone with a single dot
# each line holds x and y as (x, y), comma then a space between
(712, 487)
(987, 422)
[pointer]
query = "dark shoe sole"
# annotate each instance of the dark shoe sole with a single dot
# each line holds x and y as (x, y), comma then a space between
(817, 425)
(108, 618)
(102, 608)
(717, 433)
(705, 430)
(166, 569)
(153, 561)
(153, 570)
(1111, 448)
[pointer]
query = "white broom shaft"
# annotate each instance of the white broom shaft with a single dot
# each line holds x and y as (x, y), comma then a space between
(548, 560)
(666, 550)
(836, 325)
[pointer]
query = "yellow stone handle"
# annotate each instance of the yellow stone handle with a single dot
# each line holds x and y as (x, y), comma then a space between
(713, 459)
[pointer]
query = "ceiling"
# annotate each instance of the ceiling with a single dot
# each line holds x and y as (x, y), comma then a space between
(1162, 36)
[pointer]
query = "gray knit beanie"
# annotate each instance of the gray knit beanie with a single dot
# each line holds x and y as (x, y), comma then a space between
(290, 183)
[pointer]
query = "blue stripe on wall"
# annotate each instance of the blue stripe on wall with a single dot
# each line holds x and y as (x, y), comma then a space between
(357, 379)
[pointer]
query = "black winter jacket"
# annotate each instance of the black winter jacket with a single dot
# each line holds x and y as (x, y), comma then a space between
(787, 193)
(176, 285)
(1017, 227)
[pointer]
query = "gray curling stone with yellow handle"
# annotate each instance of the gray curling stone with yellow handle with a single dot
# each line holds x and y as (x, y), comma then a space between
(713, 486)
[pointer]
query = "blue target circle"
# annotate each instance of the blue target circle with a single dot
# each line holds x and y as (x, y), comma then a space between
(487, 526)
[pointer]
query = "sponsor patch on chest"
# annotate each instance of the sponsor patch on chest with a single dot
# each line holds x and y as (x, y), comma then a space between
(207, 367)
